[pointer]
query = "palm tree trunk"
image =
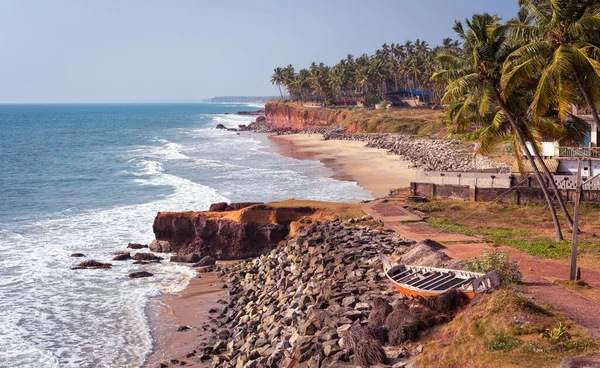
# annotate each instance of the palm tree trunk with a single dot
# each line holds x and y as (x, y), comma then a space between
(280, 93)
(538, 175)
(550, 178)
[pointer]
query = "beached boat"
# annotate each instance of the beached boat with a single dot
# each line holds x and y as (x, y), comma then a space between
(429, 281)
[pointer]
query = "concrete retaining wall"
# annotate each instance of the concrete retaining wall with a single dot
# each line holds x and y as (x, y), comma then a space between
(519, 194)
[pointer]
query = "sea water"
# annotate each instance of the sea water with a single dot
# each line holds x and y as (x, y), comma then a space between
(90, 179)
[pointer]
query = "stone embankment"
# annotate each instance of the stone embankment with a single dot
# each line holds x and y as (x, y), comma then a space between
(321, 299)
(425, 154)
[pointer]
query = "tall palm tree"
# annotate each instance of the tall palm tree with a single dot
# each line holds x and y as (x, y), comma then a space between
(288, 79)
(560, 42)
(277, 79)
(475, 78)
(563, 48)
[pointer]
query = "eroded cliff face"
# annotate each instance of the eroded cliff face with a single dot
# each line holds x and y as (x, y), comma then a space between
(296, 117)
(232, 234)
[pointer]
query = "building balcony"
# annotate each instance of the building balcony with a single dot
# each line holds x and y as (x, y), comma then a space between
(587, 152)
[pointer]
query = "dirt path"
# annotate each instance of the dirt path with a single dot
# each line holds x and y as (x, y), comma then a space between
(538, 273)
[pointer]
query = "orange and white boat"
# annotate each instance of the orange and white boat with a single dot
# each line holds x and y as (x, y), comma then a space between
(430, 281)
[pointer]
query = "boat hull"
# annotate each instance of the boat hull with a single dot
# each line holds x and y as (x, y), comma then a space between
(413, 281)
(414, 293)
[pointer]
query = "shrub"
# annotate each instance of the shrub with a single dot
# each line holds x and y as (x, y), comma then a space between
(556, 334)
(496, 261)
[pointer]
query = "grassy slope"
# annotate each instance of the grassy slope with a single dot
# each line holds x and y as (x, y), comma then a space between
(528, 228)
(418, 122)
(503, 330)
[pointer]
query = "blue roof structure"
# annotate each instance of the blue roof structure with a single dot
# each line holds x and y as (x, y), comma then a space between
(409, 91)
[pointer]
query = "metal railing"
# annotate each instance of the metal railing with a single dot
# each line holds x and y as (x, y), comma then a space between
(579, 152)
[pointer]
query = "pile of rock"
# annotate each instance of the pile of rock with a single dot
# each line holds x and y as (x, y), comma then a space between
(308, 302)
(426, 154)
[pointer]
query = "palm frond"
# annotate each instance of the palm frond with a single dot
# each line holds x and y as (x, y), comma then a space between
(460, 87)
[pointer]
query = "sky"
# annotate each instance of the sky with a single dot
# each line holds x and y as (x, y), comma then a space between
(184, 51)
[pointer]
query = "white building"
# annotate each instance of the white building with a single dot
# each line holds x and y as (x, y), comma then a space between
(567, 156)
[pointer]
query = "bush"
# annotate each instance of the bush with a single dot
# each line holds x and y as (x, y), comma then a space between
(496, 261)
(556, 334)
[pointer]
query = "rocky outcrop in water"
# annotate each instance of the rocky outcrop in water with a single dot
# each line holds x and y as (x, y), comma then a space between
(122, 256)
(136, 246)
(91, 264)
(249, 231)
(140, 274)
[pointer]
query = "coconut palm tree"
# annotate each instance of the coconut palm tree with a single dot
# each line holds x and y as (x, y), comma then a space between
(559, 45)
(277, 79)
(562, 48)
(474, 80)
(288, 79)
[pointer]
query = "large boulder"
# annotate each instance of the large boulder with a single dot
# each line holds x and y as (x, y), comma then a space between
(186, 258)
(206, 261)
(160, 246)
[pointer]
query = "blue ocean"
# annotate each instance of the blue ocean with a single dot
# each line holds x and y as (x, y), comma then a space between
(90, 179)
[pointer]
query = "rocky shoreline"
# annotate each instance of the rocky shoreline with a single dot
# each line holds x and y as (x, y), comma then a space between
(425, 154)
(321, 299)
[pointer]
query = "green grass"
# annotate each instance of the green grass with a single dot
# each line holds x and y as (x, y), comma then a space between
(525, 240)
(504, 343)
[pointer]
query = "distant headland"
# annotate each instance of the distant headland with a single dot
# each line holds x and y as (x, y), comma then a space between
(239, 99)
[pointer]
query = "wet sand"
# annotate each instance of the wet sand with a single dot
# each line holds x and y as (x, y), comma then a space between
(372, 168)
(186, 308)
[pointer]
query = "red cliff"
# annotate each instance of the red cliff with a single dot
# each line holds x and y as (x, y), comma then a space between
(297, 117)
(231, 234)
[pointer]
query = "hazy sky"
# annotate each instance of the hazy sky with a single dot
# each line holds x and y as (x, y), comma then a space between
(175, 51)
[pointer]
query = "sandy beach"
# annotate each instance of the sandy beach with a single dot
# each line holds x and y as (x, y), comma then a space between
(372, 168)
(187, 308)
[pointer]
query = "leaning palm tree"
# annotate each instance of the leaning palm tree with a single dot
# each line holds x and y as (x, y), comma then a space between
(475, 80)
(560, 41)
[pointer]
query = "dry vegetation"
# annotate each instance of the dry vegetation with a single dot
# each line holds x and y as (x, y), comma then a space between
(344, 210)
(504, 330)
(424, 122)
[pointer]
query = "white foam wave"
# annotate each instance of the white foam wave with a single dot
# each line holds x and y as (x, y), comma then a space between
(169, 150)
(52, 309)
(233, 120)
